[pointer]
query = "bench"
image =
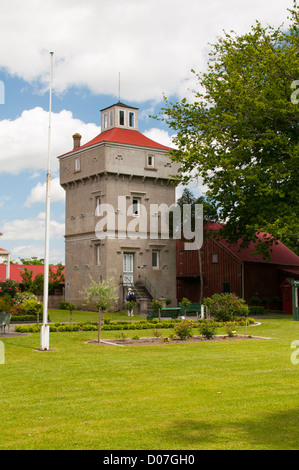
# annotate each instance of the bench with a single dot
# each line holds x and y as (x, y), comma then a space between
(173, 312)
(4, 320)
(195, 307)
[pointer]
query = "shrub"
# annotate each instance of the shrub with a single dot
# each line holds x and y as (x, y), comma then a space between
(256, 310)
(9, 287)
(5, 304)
(226, 307)
(22, 296)
(17, 310)
(207, 329)
(186, 304)
(32, 307)
(184, 329)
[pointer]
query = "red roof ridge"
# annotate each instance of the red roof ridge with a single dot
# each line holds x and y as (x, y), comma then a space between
(122, 136)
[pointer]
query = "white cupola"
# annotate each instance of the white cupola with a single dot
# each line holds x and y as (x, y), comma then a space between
(119, 115)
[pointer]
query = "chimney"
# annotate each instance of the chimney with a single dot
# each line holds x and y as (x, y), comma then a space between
(77, 140)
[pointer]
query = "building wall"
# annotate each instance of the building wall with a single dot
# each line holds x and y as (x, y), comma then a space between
(220, 271)
(109, 172)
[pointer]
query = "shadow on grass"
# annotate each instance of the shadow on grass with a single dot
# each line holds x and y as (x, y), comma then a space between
(277, 431)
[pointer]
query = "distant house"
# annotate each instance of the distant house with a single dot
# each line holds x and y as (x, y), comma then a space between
(15, 274)
(226, 269)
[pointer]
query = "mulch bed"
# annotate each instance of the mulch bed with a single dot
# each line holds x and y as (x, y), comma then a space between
(161, 340)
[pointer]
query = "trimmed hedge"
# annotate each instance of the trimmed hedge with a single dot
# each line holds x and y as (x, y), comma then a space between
(122, 325)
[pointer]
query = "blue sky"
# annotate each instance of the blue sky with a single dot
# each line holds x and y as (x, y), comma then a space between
(152, 44)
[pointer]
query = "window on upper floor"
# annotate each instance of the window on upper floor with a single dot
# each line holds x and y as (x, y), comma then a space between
(98, 206)
(214, 257)
(136, 207)
(105, 119)
(121, 117)
(131, 119)
(77, 164)
(150, 161)
(111, 118)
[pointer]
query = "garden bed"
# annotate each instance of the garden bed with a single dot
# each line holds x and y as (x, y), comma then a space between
(160, 340)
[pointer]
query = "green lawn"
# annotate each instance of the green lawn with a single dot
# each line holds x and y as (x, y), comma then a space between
(80, 315)
(209, 395)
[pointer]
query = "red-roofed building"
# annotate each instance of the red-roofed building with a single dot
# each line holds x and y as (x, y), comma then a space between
(17, 269)
(125, 170)
(226, 269)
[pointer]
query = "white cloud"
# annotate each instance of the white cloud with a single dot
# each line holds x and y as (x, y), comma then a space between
(31, 229)
(24, 141)
(153, 43)
(160, 136)
(38, 250)
(38, 193)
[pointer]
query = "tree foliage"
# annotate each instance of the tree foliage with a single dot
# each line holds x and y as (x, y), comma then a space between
(240, 134)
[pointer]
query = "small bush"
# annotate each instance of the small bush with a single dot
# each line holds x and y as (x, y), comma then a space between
(226, 307)
(207, 329)
(184, 329)
(256, 310)
(22, 296)
(32, 307)
(9, 287)
(5, 304)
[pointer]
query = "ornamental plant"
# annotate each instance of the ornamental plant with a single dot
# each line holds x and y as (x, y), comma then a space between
(226, 307)
(32, 307)
(9, 287)
(184, 329)
(207, 329)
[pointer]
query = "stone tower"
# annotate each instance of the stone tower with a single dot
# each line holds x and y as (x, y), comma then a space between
(115, 186)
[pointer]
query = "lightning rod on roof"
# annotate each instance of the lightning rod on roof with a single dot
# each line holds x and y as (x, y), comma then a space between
(44, 340)
(119, 86)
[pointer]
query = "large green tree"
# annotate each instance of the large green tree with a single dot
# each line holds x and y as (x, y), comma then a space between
(240, 134)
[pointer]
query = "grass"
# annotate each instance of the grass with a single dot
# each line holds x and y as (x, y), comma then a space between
(212, 395)
(80, 315)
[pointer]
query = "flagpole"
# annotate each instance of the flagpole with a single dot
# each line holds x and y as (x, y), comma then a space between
(45, 327)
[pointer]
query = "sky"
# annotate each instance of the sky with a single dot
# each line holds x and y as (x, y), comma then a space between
(135, 50)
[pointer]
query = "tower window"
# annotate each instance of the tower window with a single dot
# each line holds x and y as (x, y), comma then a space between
(105, 123)
(136, 207)
(121, 118)
(111, 119)
(151, 161)
(77, 164)
(98, 254)
(131, 119)
(98, 206)
(155, 259)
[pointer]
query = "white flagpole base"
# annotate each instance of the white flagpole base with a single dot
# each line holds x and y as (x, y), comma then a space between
(44, 337)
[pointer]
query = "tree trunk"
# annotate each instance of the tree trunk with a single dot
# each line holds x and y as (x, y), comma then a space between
(200, 277)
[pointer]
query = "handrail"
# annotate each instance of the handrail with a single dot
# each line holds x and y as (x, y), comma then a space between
(152, 288)
(133, 285)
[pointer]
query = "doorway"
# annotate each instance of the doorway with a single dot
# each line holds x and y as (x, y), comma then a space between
(128, 269)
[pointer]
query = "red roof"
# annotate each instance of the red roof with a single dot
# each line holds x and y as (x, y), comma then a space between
(122, 136)
(16, 269)
(280, 254)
